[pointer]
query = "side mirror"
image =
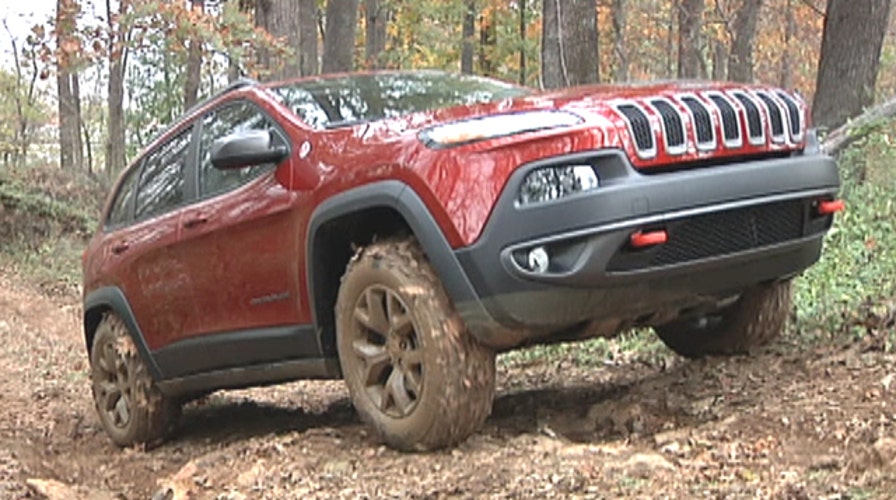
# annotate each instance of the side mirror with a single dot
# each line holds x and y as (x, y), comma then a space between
(246, 149)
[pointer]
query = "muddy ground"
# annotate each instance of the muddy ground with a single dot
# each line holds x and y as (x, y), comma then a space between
(797, 421)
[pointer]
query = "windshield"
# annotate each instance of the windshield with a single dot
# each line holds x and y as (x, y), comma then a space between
(353, 99)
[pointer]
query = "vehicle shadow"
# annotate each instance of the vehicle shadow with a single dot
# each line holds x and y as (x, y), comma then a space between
(632, 401)
(231, 421)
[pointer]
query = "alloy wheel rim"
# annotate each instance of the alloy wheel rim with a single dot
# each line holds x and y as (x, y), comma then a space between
(387, 351)
(112, 387)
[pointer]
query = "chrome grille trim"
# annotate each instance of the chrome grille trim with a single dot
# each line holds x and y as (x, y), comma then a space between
(754, 119)
(796, 114)
(777, 121)
(675, 137)
(702, 120)
(732, 136)
(638, 122)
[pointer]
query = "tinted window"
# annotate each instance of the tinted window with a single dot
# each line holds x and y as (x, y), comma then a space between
(162, 182)
(230, 120)
(121, 206)
(331, 102)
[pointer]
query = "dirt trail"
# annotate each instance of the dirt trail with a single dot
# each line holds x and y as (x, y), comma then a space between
(794, 422)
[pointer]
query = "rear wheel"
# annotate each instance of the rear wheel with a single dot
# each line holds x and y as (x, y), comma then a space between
(754, 320)
(130, 406)
(414, 372)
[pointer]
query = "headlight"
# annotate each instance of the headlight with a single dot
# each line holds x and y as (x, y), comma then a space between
(489, 127)
(552, 183)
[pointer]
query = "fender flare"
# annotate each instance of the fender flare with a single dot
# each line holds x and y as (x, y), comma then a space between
(113, 299)
(401, 198)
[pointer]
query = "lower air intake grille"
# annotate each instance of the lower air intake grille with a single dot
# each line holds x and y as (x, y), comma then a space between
(640, 127)
(717, 234)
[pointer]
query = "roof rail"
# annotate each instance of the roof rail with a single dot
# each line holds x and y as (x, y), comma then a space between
(238, 84)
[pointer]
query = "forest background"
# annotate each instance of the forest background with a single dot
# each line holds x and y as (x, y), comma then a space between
(87, 86)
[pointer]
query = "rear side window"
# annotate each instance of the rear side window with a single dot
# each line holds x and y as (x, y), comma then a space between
(162, 182)
(124, 199)
(228, 120)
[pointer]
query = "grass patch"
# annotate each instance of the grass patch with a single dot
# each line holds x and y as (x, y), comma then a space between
(639, 344)
(851, 290)
(46, 216)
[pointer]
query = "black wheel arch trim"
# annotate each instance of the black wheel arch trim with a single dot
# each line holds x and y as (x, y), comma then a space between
(404, 200)
(113, 299)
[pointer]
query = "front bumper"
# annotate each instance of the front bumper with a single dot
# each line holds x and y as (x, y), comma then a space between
(729, 227)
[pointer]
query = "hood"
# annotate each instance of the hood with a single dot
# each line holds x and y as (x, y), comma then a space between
(659, 124)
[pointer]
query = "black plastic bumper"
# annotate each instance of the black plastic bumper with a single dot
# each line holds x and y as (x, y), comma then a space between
(729, 227)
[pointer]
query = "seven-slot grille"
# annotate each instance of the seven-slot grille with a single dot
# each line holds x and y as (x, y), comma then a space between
(730, 121)
(704, 129)
(698, 118)
(673, 128)
(642, 132)
(755, 130)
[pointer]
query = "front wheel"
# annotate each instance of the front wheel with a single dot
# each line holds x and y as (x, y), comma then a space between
(414, 372)
(754, 320)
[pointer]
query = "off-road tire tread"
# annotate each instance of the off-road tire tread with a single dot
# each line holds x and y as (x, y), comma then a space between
(153, 414)
(755, 320)
(468, 368)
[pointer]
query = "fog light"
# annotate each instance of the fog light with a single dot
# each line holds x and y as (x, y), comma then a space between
(538, 260)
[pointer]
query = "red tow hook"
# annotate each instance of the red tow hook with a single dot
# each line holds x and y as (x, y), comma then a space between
(830, 207)
(649, 238)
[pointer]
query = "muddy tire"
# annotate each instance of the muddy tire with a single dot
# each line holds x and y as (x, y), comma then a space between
(754, 320)
(414, 372)
(132, 411)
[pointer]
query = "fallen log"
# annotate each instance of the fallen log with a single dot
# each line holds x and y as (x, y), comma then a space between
(859, 127)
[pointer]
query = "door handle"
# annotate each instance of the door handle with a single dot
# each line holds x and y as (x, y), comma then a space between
(196, 220)
(120, 247)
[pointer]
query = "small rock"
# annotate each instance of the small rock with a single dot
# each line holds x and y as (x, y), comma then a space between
(338, 468)
(887, 381)
(825, 462)
(667, 437)
(701, 406)
(642, 465)
(55, 490)
(885, 450)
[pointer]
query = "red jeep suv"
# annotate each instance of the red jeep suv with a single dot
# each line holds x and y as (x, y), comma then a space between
(398, 229)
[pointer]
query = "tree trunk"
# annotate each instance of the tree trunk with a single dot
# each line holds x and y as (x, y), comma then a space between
(690, 22)
(194, 61)
(523, 20)
(115, 140)
(620, 71)
(740, 62)
(377, 16)
(785, 79)
(569, 50)
(720, 59)
(339, 36)
(488, 40)
(850, 54)
(308, 18)
(280, 18)
(70, 155)
(468, 32)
